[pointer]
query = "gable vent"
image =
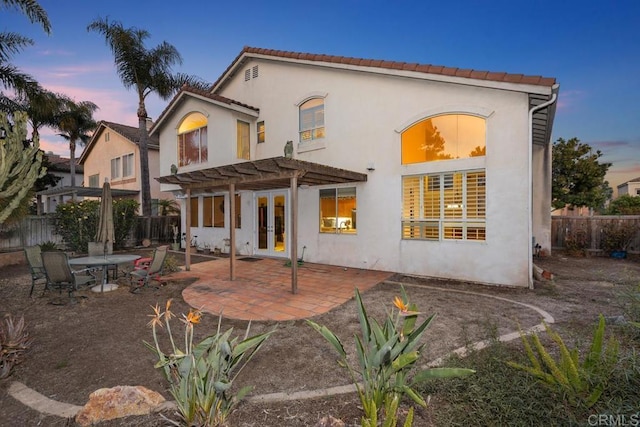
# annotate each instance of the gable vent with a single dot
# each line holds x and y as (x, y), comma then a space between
(255, 71)
(247, 74)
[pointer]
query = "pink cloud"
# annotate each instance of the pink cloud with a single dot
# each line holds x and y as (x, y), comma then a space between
(568, 99)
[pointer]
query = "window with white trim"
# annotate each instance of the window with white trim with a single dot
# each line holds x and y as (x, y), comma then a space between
(242, 140)
(116, 167)
(444, 206)
(127, 165)
(338, 210)
(312, 120)
(260, 132)
(192, 140)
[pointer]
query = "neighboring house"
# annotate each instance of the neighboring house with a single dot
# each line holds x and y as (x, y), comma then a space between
(632, 188)
(60, 167)
(113, 153)
(573, 211)
(409, 168)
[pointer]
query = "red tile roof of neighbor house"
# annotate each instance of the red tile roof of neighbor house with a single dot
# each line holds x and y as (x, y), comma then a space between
(395, 65)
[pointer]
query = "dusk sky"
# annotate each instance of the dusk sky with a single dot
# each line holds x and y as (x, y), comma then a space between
(591, 47)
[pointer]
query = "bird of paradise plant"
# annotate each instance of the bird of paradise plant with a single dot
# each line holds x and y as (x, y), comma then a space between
(201, 375)
(387, 354)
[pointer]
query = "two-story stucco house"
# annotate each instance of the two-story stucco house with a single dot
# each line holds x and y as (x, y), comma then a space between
(403, 167)
(113, 153)
(630, 188)
(49, 199)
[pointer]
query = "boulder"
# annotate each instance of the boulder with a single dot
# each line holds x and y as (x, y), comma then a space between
(117, 402)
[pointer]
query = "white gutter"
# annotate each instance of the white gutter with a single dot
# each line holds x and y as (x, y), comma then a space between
(554, 96)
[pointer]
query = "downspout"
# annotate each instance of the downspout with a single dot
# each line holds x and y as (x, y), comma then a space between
(554, 96)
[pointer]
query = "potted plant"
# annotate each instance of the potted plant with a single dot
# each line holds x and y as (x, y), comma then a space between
(616, 238)
(175, 245)
(193, 245)
(206, 249)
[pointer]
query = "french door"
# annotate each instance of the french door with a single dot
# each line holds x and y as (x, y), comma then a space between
(272, 223)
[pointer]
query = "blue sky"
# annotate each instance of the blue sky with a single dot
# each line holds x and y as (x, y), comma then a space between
(591, 47)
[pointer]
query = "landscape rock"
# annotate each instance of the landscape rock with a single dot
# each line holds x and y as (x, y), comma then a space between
(330, 421)
(117, 402)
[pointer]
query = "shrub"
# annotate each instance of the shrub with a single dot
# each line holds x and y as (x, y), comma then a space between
(14, 342)
(170, 265)
(124, 220)
(582, 383)
(618, 236)
(575, 242)
(48, 246)
(77, 222)
(201, 375)
(387, 354)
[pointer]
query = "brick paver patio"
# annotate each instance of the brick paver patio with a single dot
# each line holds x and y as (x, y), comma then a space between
(262, 288)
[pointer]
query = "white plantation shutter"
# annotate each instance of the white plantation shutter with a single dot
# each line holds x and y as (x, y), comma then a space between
(444, 206)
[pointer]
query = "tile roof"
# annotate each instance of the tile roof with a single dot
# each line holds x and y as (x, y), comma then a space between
(130, 132)
(631, 180)
(394, 65)
(206, 94)
(61, 164)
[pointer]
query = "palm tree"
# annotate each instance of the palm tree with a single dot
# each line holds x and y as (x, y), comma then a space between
(75, 122)
(12, 43)
(145, 70)
(43, 107)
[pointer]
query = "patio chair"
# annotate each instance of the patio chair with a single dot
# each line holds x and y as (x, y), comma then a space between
(141, 277)
(32, 253)
(97, 249)
(60, 275)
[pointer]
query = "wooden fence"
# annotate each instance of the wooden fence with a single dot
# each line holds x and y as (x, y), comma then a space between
(34, 230)
(591, 227)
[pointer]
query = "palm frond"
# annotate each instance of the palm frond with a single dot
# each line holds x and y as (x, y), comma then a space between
(32, 9)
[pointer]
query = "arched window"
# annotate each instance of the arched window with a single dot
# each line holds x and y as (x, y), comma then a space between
(192, 140)
(445, 137)
(312, 119)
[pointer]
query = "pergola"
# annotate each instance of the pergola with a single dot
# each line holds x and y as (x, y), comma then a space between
(265, 174)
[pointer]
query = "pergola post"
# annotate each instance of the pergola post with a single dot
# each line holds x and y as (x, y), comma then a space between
(187, 237)
(294, 234)
(232, 232)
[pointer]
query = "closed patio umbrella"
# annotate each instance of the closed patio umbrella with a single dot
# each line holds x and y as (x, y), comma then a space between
(105, 233)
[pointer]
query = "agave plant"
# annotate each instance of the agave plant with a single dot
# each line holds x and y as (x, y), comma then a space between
(14, 343)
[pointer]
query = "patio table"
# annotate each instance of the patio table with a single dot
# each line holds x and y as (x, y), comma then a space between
(104, 262)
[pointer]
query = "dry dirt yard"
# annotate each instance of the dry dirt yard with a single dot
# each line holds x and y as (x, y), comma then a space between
(97, 341)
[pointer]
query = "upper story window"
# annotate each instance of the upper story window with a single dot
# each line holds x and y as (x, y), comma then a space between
(106, 136)
(260, 131)
(192, 140)
(116, 168)
(127, 165)
(122, 167)
(312, 119)
(446, 137)
(242, 140)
